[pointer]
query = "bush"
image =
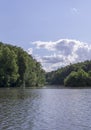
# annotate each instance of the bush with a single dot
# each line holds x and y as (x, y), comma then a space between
(78, 79)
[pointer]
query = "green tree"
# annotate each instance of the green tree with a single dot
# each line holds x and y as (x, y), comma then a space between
(18, 68)
(8, 67)
(77, 79)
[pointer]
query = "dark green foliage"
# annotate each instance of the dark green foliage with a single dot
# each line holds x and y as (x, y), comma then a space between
(8, 67)
(58, 76)
(77, 79)
(18, 68)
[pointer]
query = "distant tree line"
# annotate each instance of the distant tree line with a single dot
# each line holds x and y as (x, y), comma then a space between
(73, 75)
(18, 68)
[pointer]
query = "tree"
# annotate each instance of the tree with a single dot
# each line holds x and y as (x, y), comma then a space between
(8, 68)
(18, 68)
(58, 76)
(77, 79)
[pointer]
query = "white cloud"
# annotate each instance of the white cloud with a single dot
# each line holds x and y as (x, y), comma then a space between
(74, 10)
(30, 51)
(63, 52)
(47, 45)
(53, 59)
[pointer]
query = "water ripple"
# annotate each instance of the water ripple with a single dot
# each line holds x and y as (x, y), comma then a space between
(45, 109)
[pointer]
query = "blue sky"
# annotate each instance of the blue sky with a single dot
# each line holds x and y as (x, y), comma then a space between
(31, 23)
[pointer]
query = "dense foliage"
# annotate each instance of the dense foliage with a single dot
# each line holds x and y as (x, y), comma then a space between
(18, 68)
(78, 79)
(78, 74)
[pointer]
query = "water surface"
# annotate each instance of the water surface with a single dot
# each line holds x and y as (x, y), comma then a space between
(45, 109)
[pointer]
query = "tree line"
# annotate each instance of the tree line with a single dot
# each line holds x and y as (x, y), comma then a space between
(18, 68)
(73, 75)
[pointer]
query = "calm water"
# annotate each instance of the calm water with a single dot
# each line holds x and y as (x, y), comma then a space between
(45, 109)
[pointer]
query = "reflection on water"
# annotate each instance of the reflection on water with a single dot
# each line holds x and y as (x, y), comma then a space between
(45, 109)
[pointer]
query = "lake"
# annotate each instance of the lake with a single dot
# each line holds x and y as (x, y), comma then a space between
(45, 109)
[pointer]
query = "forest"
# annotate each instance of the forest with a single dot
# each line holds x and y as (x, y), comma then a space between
(73, 75)
(18, 68)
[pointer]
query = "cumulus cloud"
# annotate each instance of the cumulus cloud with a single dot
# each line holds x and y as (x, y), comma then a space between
(30, 51)
(47, 45)
(53, 59)
(63, 52)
